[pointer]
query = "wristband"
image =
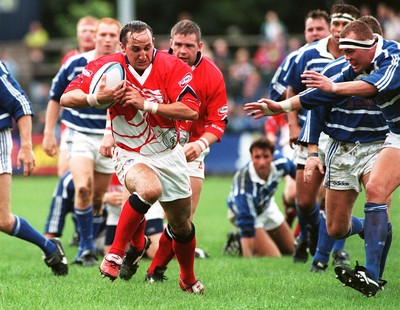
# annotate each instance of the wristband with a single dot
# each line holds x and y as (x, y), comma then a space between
(151, 107)
(92, 100)
(203, 142)
(334, 88)
(313, 154)
(286, 105)
(266, 110)
(107, 131)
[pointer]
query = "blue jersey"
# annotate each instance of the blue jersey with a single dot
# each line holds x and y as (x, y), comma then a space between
(250, 195)
(313, 57)
(385, 76)
(278, 83)
(13, 101)
(86, 120)
(350, 119)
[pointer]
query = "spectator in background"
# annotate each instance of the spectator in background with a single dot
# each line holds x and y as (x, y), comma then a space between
(252, 208)
(85, 30)
(273, 30)
(238, 71)
(36, 39)
(222, 55)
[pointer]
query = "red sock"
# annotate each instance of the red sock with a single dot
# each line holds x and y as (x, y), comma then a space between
(164, 253)
(128, 223)
(137, 240)
(185, 255)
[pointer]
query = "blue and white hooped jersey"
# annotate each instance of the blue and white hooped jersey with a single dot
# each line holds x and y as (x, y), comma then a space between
(278, 84)
(86, 120)
(385, 76)
(14, 103)
(350, 119)
(313, 57)
(250, 195)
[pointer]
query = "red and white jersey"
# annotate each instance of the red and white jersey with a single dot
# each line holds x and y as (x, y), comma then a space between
(165, 81)
(211, 91)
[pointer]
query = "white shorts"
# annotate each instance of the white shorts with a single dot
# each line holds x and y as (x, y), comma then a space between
(6, 145)
(88, 145)
(170, 166)
(271, 218)
(392, 140)
(196, 167)
(64, 137)
(113, 213)
(301, 152)
(346, 163)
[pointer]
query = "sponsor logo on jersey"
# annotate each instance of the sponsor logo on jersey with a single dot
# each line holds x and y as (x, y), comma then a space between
(186, 79)
(223, 110)
(87, 73)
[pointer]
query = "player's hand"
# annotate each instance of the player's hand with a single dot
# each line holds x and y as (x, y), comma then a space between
(114, 198)
(113, 94)
(27, 158)
(133, 97)
(263, 107)
(49, 145)
(312, 164)
(294, 133)
(107, 145)
(192, 150)
(317, 80)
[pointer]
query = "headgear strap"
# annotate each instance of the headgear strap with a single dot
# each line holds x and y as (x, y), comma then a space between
(343, 16)
(351, 43)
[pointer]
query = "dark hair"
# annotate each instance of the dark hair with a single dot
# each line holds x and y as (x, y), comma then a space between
(373, 23)
(345, 8)
(135, 26)
(360, 28)
(262, 143)
(186, 27)
(317, 14)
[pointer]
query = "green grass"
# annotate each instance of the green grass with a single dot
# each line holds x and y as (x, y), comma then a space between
(231, 283)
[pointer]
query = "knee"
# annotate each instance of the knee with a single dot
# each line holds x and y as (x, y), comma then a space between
(84, 192)
(181, 228)
(151, 193)
(336, 231)
(375, 192)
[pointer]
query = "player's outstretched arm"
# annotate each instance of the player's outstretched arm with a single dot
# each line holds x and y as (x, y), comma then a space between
(349, 88)
(268, 107)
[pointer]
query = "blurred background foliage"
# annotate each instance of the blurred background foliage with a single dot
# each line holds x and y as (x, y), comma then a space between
(215, 17)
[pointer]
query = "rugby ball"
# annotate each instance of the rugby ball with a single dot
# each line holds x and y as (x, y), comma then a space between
(114, 72)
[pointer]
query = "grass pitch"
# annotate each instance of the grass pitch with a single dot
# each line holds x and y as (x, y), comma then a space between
(231, 283)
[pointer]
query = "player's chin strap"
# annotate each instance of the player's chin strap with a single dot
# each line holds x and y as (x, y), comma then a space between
(346, 43)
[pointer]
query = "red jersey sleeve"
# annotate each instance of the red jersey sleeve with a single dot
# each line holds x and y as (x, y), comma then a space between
(211, 90)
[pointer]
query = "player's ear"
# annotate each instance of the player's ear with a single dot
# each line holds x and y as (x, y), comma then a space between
(122, 47)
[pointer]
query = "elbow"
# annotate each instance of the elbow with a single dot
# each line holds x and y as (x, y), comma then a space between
(192, 116)
(64, 101)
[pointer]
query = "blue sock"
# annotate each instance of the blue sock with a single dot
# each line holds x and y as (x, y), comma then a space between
(339, 245)
(325, 242)
(84, 221)
(357, 227)
(307, 221)
(97, 221)
(375, 231)
(386, 249)
(23, 230)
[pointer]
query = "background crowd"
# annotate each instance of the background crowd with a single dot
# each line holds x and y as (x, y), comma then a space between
(247, 68)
